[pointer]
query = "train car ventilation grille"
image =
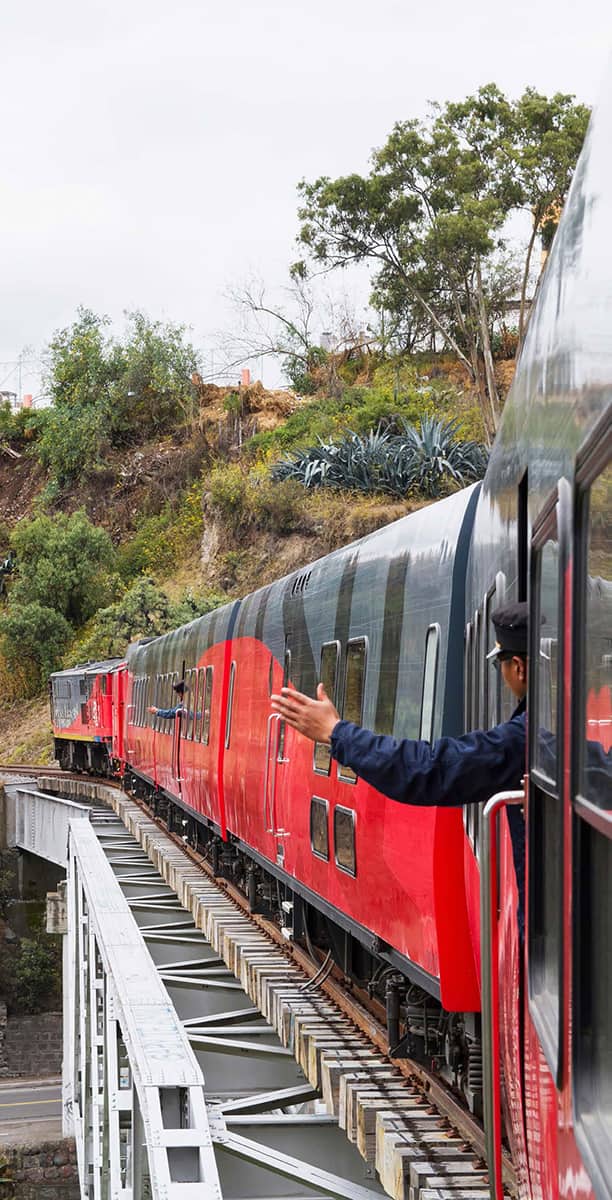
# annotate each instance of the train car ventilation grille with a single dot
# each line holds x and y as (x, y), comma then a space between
(300, 584)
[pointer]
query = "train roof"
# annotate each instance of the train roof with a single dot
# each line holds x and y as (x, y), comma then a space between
(90, 668)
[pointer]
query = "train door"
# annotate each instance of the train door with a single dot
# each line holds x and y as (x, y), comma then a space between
(549, 692)
(274, 781)
(588, 1095)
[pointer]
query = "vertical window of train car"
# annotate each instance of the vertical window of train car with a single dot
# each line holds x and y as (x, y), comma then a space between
(467, 677)
(206, 706)
(319, 831)
(354, 689)
(230, 705)
(199, 705)
(493, 704)
(192, 704)
(592, 815)
(344, 839)
(470, 811)
(328, 676)
(271, 675)
(545, 836)
(476, 674)
(282, 725)
(430, 677)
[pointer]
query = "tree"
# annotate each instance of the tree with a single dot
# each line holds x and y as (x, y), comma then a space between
(63, 563)
(154, 391)
(430, 215)
(270, 330)
(532, 148)
(143, 611)
(108, 392)
(33, 639)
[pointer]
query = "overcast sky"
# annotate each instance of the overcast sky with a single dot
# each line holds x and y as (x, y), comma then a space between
(151, 148)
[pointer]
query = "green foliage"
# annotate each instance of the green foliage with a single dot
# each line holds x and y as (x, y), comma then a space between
(154, 391)
(33, 638)
(424, 461)
(18, 429)
(431, 216)
(36, 972)
(250, 499)
(144, 611)
(109, 392)
(396, 392)
(74, 441)
(64, 563)
(163, 539)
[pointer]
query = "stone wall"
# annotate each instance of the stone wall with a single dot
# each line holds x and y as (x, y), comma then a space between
(3, 1022)
(33, 1045)
(45, 1172)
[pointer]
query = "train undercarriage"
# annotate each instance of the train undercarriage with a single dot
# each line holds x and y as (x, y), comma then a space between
(418, 1027)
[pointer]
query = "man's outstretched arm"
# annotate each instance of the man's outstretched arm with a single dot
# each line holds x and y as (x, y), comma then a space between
(454, 771)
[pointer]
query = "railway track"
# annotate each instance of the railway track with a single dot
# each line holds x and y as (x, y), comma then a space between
(412, 1132)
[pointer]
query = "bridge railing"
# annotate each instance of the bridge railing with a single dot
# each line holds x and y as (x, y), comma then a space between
(134, 1091)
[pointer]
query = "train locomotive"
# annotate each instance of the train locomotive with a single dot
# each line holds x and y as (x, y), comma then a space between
(398, 628)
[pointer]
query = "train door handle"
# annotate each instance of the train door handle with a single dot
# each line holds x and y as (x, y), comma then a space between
(269, 813)
(490, 983)
(274, 717)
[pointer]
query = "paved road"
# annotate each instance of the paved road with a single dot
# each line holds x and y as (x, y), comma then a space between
(25, 1104)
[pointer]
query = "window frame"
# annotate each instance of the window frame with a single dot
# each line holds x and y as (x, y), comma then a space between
(588, 820)
(207, 706)
(346, 774)
(319, 746)
(314, 801)
(434, 633)
(342, 809)
(230, 704)
(546, 795)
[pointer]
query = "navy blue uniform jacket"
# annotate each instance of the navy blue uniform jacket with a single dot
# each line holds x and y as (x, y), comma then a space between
(454, 771)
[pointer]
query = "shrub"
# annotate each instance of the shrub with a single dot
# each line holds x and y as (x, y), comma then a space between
(63, 563)
(33, 638)
(251, 499)
(36, 972)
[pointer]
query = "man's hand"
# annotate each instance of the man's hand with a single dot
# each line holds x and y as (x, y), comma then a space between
(152, 709)
(314, 718)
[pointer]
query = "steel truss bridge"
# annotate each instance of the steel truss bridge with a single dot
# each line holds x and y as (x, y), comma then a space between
(175, 1085)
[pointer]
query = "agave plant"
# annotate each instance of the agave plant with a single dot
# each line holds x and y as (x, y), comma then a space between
(420, 460)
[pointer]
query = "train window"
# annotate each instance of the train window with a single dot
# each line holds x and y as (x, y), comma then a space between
(545, 666)
(354, 688)
(328, 676)
(430, 675)
(271, 675)
(344, 839)
(230, 705)
(592, 820)
(191, 699)
(492, 689)
(597, 656)
(205, 705)
(476, 672)
(319, 829)
(545, 837)
(282, 725)
(198, 704)
(467, 677)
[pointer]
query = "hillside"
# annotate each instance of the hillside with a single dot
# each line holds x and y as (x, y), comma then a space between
(197, 513)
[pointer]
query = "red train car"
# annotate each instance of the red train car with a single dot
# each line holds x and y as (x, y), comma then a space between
(84, 716)
(419, 906)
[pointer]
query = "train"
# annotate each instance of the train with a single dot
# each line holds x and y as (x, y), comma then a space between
(398, 627)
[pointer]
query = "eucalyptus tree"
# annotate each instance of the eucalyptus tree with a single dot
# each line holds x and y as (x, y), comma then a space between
(431, 215)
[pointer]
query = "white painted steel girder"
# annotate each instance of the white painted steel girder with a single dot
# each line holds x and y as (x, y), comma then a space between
(41, 822)
(138, 1107)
